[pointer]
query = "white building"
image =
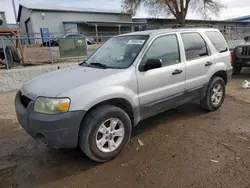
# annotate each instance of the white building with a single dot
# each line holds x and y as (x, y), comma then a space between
(33, 18)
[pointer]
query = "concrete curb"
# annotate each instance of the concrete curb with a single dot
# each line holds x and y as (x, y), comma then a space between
(13, 79)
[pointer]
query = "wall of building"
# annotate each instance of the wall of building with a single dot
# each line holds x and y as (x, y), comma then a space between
(14, 78)
(54, 20)
(13, 25)
(24, 16)
(2, 15)
(70, 28)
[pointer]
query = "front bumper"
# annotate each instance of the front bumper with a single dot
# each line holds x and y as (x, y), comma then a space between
(229, 73)
(61, 130)
(242, 62)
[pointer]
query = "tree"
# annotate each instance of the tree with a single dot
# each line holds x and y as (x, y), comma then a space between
(178, 8)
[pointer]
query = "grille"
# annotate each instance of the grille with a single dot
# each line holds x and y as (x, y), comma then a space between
(246, 51)
(25, 101)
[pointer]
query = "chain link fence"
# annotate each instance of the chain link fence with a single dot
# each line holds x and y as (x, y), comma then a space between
(37, 38)
(44, 51)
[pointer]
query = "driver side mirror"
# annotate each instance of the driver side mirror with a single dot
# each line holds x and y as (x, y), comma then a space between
(152, 64)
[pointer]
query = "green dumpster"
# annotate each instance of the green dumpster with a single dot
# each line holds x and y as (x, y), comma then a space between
(72, 47)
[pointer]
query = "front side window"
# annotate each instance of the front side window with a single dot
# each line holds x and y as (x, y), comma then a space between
(118, 52)
(165, 48)
(195, 46)
(218, 41)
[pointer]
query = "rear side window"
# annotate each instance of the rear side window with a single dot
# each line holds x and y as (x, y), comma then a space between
(195, 46)
(218, 41)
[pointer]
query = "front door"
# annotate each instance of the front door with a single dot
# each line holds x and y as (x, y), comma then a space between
(162, 88)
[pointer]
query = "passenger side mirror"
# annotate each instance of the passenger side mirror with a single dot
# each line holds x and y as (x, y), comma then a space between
(152, 64)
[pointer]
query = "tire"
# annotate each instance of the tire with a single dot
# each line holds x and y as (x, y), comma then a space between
(15, 55)
(54, 44)
(237, 70)
(89, 133)
(208, 103)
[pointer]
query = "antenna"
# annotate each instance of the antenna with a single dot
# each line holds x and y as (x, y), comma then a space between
(14, 8)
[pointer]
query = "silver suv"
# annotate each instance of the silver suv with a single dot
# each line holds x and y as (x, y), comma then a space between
(129, 78)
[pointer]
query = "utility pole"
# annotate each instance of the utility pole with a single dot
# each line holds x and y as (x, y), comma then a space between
(14, 8)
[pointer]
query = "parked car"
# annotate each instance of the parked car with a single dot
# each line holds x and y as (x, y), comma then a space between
(90, 41)
(241, 56)
(129, 78)
(55, 42)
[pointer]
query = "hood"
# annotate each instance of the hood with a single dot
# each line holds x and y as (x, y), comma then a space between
(54, 83)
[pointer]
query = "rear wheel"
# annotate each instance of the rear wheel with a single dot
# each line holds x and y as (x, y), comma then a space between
(105, 132)
(215, 94)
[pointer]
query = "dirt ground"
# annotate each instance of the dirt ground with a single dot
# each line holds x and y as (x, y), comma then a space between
(184, 147)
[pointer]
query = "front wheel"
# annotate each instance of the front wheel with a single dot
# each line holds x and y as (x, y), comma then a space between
(105, 132)
(215, 94)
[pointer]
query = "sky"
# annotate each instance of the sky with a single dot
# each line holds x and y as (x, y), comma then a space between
(234, 8)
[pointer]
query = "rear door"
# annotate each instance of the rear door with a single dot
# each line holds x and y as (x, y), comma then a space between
(222, 53)
(198, 60)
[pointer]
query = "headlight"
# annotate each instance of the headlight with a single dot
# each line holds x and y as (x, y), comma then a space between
(52, 105)
(240, 50)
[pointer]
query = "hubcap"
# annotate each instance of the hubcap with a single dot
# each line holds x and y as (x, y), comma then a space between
(110, 135)
(217, 94)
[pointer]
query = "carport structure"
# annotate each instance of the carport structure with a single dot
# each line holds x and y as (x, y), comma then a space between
(103, 29)
(10, 33)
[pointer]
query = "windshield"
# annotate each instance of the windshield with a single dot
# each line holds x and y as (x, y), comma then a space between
(118, 52)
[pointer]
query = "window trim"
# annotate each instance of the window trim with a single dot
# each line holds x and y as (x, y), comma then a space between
(205, 32)
(207, 46)
(150, 44)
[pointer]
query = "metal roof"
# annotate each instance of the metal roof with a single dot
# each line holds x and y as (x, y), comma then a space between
(104, 22)
(241, 19)
(192, 20)
(43, 7)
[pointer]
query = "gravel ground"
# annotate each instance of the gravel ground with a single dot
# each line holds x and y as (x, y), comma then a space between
(184, 147)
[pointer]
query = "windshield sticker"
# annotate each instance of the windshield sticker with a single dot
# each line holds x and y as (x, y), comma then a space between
(140, 42)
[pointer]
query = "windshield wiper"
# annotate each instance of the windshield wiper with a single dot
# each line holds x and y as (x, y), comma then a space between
(100, 65)
(82, 63)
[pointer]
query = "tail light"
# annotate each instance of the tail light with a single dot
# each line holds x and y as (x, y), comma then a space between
(231, 58)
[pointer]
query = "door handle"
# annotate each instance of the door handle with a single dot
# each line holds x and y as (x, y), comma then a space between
(177, 71)
(208, 63)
